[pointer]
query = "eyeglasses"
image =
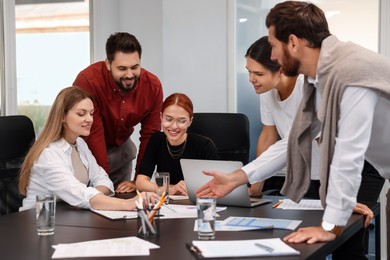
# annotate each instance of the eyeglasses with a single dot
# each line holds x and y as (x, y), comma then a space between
(180, 122)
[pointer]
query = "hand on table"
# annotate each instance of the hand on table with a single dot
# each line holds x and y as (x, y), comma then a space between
(179, 189)
(310, 235)
(366, 211)
(125, 187)
(148, 198)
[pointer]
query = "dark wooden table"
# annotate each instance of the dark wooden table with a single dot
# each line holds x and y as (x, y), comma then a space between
(20, 239)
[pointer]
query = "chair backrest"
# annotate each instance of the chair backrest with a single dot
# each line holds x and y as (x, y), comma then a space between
(16, 137)
(229, 132)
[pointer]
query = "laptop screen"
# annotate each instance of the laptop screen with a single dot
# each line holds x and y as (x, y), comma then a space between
(194, 178)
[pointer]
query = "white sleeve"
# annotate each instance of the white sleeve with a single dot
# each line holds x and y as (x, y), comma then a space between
(268, 163)
(354, 131)
(58, 178)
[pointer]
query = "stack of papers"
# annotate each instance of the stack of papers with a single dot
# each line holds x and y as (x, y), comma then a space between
(302, 205)
(220, 225)
(242, 248)
(166, 212)
(127, 246)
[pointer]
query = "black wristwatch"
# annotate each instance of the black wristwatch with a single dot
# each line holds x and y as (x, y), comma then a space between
(332, 228)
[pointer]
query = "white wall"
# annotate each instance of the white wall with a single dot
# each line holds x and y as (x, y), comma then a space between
(184, 43)
(195, 51)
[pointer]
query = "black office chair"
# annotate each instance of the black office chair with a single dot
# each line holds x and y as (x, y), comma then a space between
(229, 132)
(16, 137)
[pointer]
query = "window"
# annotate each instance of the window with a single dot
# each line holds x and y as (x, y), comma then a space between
(52, 46)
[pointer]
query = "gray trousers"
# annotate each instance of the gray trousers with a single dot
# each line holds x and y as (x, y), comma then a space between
(121, 159)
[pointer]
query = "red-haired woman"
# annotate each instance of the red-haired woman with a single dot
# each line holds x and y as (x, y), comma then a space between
(166, 148)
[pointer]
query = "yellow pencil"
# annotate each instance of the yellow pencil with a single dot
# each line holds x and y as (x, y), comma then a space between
(157, 207)
(277, 204)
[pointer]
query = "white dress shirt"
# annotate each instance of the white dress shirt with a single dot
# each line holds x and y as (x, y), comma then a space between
(363, 133)
(53, 173)
(279, 113)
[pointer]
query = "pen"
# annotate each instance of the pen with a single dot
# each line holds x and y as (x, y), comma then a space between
(140, 199)
(194, 249)
(171, 209)
(140, 209)
(277, 204)
(266, 248)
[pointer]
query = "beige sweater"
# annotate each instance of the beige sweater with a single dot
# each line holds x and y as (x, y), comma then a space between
(341, 64)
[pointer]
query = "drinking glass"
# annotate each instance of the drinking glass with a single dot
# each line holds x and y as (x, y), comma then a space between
(162, 184)
(206, 217)
(45, 209)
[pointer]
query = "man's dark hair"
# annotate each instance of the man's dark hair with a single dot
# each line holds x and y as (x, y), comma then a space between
(303, 19)
(123, 42)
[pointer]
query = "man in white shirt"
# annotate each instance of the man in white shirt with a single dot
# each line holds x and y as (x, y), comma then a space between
(354, 85)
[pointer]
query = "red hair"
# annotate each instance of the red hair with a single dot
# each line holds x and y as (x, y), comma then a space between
(180, 100)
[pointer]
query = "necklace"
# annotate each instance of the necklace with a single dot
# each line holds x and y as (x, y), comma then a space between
(175, 154)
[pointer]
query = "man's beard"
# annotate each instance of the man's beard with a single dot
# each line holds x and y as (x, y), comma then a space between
(126, 88)
(291, 66)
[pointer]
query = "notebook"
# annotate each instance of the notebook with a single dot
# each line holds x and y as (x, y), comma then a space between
(194, 178)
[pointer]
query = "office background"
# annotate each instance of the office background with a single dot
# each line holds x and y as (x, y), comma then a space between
(196, 47)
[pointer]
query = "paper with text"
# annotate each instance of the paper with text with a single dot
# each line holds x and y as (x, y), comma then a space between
(262, 222)
(220, 226)
(244, 248)
(167, 212)
(302, 205)
(127, 246)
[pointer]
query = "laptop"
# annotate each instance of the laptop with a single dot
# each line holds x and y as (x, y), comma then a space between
(194, 178)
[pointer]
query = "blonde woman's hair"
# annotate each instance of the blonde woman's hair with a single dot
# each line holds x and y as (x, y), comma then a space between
(52, 131)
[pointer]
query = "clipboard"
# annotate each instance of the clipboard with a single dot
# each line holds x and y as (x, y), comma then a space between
(240, 248)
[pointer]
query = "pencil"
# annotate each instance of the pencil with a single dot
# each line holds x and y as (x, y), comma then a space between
(157, 207)
(277, 204)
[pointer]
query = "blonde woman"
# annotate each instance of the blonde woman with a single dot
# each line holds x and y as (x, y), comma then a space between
(60, 162)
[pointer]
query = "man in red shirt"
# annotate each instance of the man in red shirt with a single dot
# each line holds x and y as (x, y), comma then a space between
(124, 95)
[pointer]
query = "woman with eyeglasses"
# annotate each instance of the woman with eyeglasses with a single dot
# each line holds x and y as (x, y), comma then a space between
(166, 148)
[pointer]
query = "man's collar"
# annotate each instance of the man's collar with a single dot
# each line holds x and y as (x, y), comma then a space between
(313, 81)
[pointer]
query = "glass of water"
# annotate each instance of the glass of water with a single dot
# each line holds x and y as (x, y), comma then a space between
(206, 217)
(45, 209)
(162, 184)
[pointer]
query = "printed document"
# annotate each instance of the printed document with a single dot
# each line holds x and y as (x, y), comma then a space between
(262, 222)
(126, 246)
(244, 248)
(166, 212)
(302, 205)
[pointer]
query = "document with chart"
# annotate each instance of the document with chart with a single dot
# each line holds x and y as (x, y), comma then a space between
(262, 222)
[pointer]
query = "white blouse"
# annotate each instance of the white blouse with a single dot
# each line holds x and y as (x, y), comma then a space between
(53, 173)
